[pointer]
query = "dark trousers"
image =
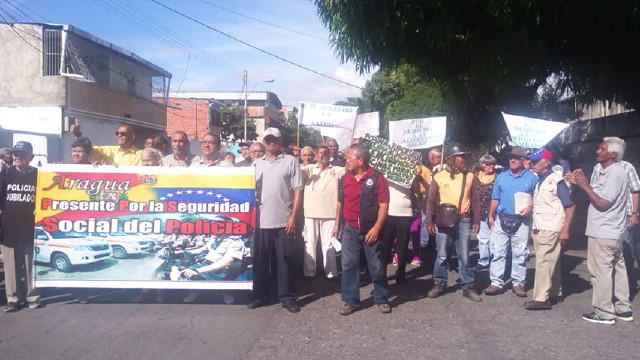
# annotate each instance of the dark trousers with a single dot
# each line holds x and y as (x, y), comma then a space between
(398, 228)
(266, 241)
(352, 244)
(631, 251)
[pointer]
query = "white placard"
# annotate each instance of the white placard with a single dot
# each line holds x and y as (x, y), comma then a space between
(418, 133)
(325, 115)
(367, 123)
(531, 133)
(34, 119)
(342, 136)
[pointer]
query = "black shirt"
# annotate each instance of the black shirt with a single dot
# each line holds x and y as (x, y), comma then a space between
(338, 161)
(17, 201)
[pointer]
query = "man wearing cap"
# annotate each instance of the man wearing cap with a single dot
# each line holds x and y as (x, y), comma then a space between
(81, 150)
(552, 216)
(181, 155)
(17, 206)
(511, 225)
(125, 153)
(279, 188)
(452, 188)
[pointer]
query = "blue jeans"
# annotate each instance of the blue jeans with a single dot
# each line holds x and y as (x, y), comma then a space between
(352, 243)
(424, 233)
(444, 238)
(499, 242)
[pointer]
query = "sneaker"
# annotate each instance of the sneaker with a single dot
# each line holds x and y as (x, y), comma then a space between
(395, 260)
(417, 261)
(347, 310)
(384, 308)
(471, 294)
(493, 290)
(595, 318)
(436, 290)
(11, 307)
(35, 305)
(625, 316)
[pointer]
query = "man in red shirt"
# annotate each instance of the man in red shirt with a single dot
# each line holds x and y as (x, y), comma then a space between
(364, 201)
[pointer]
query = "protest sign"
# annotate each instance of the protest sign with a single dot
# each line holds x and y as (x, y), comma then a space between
(531, 133)
(396, 163)
(341, 136)
(325, 115)
(144, 227)
(367, 123)
(418, 133)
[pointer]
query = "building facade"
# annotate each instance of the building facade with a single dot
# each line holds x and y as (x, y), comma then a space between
(55, 75)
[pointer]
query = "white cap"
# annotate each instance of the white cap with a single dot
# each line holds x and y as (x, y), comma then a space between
(273, 132)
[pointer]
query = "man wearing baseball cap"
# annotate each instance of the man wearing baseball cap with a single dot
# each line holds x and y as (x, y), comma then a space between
(553, 213)
(279, 192)
(17, 206)
(510, 227)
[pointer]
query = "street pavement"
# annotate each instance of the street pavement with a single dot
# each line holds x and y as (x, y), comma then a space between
(112, 326)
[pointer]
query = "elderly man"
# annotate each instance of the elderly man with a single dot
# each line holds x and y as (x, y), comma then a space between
(552, 216)
(256, 151)
(150, 157)
(280, 186)
(334, 156)
(125, 153)
(81, 151)
(306, 155)
(363, 200)
(210, 146)
(320, 199)
(606, 225)
(181, 155)
(17, 205)
(435, 158)
(450, 194)
(511, 227)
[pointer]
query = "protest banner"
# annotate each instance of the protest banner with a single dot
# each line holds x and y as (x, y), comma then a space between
(531, 133)
(418, 133)
(367, 123)
(341, 136)
(396, 163)
(325, 115)
(144, 227)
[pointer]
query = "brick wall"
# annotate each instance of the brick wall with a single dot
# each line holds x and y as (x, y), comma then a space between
(188, 115)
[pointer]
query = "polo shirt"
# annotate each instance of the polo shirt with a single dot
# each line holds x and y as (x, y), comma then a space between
(352, 188)
(172, 160)
(611, 184)
(112, 155)
(198, 161)
(321, 191)
(507, 185)
(338, 161)
(275, 183)
(562, 191)
(426, 175)
(632, 175)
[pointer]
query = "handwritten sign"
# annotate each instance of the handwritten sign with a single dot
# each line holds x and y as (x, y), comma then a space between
(418, 133)
(531, 133)
(396, 163)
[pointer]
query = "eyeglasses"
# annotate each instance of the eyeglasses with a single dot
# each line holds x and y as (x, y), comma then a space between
(212, 143)
(121, 133)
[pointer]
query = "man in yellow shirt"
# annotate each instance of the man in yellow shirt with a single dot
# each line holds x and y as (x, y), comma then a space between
(123, 154)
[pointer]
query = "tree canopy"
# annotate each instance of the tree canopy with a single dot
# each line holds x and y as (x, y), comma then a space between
(490, 55)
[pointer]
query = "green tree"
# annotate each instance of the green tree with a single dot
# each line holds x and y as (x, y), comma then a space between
(232, 122)
(495, 56)
(351, 101)
(289, 129)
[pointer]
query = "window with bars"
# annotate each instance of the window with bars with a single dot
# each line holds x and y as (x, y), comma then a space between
(52, 54)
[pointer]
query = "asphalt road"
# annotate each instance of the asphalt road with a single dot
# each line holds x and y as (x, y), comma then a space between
(110, 326)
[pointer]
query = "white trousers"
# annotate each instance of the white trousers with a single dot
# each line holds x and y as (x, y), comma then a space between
(315, 229)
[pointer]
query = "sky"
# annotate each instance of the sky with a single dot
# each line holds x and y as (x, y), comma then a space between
(225, 59)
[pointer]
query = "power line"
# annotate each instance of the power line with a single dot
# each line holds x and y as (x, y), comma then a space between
(262, 21)
(30, 10)
(185, 73)
(253, 46)
(16, 32)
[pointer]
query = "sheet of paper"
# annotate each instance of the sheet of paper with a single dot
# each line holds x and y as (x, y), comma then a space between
(337, 246)
(522, 201)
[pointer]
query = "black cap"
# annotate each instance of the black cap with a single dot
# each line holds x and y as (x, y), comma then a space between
(23, 146)
(82, 142)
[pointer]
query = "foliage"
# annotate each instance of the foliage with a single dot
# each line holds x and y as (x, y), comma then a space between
(308, 136)
(232, 121)
(351, 101)
(494, 56)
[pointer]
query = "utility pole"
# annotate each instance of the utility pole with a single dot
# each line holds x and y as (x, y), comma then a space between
(244, 85)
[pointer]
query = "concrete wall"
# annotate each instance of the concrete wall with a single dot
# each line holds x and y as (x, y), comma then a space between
(22, 83)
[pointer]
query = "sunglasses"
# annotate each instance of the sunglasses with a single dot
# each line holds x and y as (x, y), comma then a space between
(121, 133)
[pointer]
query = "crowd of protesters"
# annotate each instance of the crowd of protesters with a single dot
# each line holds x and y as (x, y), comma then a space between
(350, 209)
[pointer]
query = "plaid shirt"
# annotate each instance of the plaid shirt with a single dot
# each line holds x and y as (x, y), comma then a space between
(634, 182)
